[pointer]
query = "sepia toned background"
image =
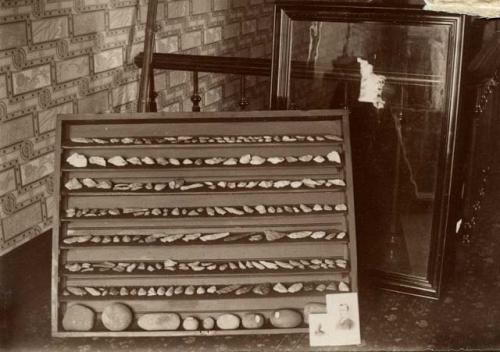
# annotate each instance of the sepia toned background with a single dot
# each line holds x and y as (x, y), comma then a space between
(76, 56)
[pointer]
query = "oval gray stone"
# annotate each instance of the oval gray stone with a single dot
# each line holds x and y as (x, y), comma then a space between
(252, 321)
(286, 318)
(78, 318)
(159, 321)
(228, 322)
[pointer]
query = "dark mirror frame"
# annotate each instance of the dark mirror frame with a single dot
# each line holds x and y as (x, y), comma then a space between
(449, 178)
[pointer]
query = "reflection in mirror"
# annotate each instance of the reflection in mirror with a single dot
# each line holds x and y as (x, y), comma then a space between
(396, 148)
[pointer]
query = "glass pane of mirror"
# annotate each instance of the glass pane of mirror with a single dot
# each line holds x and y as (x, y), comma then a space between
(395, 148)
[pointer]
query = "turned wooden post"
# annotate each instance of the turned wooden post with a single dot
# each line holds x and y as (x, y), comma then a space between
(152, 93)
(243, 99)
(146, 101)
(195, 98)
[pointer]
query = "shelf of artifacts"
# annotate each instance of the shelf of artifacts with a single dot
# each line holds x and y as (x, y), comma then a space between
(201, 224)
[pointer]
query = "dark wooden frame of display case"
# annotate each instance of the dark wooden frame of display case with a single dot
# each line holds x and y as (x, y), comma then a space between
(447, 199)
(126, 125)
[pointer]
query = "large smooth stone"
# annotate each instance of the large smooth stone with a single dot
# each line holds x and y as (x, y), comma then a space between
(286, 318)
(117, 317)
(190, 323)
(252, 321)
(313, 308)
(78, 318)
(228, 322)
(159, 321)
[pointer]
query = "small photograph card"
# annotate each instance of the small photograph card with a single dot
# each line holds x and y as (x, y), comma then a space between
(340, 325)
(321, 330)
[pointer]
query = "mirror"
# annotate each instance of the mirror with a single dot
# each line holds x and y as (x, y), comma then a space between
(402, 141)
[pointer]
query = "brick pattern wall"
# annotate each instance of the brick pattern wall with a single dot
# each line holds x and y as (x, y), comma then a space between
(75, 56)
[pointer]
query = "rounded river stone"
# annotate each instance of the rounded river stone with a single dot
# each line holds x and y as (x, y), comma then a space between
(190, 323)
(208, 323)
(78, 318)
(117, 317)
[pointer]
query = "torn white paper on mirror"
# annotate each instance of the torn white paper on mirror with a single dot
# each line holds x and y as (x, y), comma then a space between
(482, 8)
(371, 85)
(458, 226)
(314, 39)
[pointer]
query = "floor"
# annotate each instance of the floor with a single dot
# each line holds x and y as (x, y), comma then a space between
(467, 317)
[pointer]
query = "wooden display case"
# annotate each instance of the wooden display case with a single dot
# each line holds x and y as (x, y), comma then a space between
(214, 206)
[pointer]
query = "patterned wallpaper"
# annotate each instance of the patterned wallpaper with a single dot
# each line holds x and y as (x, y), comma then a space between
(76, 56)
